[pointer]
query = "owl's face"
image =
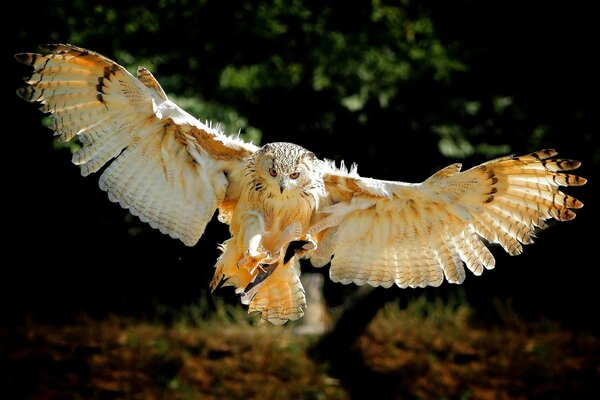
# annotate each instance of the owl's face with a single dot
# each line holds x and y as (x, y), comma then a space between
(285, 169)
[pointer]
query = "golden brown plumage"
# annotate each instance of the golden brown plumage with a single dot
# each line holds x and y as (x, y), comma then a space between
(173, 172)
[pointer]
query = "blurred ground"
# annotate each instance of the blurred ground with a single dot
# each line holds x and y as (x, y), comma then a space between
(423, 351)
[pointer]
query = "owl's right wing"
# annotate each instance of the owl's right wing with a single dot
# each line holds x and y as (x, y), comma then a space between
(169, 169)
(384, 233)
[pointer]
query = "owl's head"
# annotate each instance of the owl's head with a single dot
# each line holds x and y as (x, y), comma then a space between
(285, 168)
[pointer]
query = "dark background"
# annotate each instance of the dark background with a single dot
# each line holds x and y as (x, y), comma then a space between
(401, 88)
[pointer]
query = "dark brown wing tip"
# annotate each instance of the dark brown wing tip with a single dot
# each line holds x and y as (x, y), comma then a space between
(61, 48)
(25, 93)
(26, 58)
(574, 180)
(572, 202)
(29, 58)
(564, 214)
(567, 165)
(544, 154)
(52, 47)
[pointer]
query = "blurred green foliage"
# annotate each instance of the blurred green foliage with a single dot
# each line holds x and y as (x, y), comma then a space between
(344, 65)
(247, 66)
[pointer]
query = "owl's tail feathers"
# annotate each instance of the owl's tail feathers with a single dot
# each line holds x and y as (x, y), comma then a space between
(277, 295)
(280, 297)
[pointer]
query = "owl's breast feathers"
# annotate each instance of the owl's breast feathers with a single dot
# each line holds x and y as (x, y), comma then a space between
(274, 290)
(279, 210)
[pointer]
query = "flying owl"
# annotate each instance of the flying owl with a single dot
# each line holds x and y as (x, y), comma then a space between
(281, 202)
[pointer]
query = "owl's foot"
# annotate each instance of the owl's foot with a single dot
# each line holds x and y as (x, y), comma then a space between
(307, 243)
(310, 243)
(252, 260)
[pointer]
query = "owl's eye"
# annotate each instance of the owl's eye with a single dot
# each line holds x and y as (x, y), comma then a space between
(272, 172)
(295, 175)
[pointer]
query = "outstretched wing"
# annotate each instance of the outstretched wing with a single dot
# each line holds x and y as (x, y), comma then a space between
(169, 169)
(384, 233)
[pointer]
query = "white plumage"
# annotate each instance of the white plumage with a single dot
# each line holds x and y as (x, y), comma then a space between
(173, 172)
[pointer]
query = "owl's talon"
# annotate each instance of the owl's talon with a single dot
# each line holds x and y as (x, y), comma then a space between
(254, 259)
(271, 258)
(258, 266)
(310, 243)
(304, 244)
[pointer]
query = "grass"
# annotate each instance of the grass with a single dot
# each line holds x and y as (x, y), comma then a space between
(429, 349)
(447, 355)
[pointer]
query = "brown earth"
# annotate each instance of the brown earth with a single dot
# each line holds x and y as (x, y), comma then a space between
(443, 357)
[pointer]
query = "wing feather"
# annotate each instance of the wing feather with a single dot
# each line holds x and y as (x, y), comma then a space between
(385, 232)
(168, 169)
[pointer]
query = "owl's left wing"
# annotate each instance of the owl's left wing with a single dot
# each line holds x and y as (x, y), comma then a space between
(384, 233)
(164, 165)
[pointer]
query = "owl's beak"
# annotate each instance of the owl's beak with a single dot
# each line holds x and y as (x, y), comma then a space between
(283, 184)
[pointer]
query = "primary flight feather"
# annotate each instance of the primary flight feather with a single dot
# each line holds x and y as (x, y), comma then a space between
(174, 172)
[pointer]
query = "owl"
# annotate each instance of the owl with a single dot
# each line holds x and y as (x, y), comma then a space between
(281, 202)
